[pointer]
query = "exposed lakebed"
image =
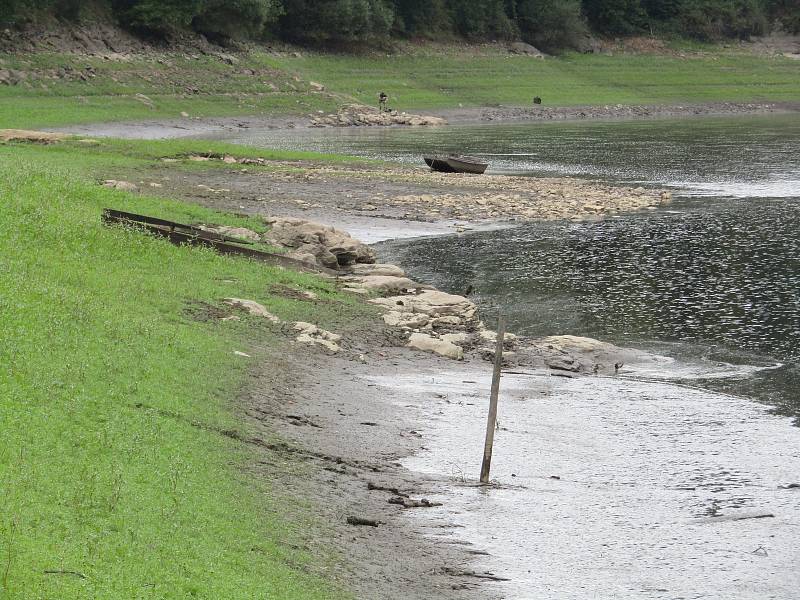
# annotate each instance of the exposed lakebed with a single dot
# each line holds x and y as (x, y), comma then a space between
(651, 470)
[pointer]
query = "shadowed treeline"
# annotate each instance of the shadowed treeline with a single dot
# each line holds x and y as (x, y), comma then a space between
(550, 24)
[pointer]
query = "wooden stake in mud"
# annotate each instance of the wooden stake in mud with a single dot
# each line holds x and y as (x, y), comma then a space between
(492, 420)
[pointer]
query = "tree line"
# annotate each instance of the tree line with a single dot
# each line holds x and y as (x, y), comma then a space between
(549, 24)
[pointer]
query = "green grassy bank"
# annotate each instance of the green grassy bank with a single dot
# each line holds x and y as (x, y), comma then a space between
(60, 89)
(115, 481)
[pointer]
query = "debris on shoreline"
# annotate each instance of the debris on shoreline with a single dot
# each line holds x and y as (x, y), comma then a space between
(357, 115)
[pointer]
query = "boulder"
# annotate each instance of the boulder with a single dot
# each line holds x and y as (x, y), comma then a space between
(331, 248)
(405, 319)
(526, 49)
(377, 269)
(427, 343)
(385, 284)
(431, 302)
(237, 232)
(254, 308)
(125, 186)
(311, 334)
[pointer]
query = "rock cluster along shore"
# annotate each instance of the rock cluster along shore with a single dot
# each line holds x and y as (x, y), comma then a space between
(356, 115)
(623, 111)
(505, 197)
(421, 317)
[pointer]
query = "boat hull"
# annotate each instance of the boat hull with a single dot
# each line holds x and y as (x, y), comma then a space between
(454, 164)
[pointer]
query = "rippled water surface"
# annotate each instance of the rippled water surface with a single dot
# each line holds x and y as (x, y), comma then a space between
(643, 485)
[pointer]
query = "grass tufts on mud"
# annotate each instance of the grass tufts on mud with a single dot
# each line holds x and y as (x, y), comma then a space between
(114, 479)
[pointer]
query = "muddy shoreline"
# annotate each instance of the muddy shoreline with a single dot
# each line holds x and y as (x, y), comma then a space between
(184, 127)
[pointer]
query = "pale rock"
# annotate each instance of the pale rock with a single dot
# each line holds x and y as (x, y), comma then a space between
(446, 321)
(254, 308)
(387, 283)
(455, 338)
(237, 232)
(421, 341)
(487, 335)
(403, 319)
(125, 186)
(377, 269)
(431, 302)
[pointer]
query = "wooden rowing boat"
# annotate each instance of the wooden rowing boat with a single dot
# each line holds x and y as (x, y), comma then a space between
(456, 164)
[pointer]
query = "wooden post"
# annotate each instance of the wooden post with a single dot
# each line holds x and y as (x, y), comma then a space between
(492, 420)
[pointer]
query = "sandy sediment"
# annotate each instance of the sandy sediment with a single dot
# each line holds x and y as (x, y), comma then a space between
(328, 193)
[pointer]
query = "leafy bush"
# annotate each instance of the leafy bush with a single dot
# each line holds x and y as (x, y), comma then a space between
(236, 18)
(481, 20)
(324, 21)
(551, 24)
(615, 16)
(716, 19)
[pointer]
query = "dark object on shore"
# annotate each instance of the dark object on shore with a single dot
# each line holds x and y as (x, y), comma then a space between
(181, 234)
(364, 522)
(537, 100)
(406, 502)
(617, 367)
(456, 164)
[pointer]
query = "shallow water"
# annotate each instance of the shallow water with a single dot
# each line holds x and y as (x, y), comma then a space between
(614, 487)
(650, 469)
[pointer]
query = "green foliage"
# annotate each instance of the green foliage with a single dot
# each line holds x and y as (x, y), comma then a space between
(551, 25)
(112, 399)
(615, 16)
(337, 21)
(423, 17)
(485, 19)
(236, 18)
(786, 13)
(158, 15)
(716, 19)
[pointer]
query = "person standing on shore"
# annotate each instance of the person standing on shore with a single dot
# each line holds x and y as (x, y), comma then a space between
(382, 98)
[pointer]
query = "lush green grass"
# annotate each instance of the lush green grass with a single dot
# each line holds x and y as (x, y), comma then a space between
(59, 89)
(426, 78)
(445, 79)
(115, 481)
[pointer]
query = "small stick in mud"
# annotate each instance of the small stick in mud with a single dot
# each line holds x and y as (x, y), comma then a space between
(492, 419)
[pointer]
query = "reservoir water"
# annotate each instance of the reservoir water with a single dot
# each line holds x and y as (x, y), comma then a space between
(645, 485)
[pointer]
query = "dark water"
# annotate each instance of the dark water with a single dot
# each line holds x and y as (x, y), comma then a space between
(714, 276)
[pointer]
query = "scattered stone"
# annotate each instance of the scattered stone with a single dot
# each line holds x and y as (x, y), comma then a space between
(254, 308)
(377, 269)
(317, 243)
(384, 283)
(22, 135)
(404, 319)
(526, 49)
(125, 186)
(311, 334)
(237, 232)
(356, 115)
(421, 341)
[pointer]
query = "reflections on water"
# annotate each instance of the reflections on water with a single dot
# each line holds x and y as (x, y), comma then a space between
(705, 156)
(729, 277)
